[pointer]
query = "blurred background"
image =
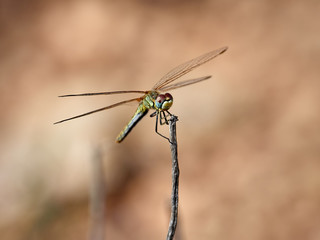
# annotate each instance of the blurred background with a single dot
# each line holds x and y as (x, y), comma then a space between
(248, 138)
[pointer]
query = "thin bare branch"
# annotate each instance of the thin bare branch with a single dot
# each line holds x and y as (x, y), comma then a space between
(175, 178)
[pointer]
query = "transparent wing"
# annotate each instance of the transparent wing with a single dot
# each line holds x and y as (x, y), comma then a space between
(187, 67)
(100, 109)
(184, 83)
(101, 93)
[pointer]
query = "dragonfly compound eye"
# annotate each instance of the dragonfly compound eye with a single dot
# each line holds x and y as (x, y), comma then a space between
(159, 100)
(164, 101)
(168, 96)
(167, 102)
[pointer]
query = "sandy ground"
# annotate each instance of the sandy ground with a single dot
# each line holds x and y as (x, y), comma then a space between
(249, 138)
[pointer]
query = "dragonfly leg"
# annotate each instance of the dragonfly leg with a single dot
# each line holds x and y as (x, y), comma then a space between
(166, 118)
(153, 114)
(163, 118)
(156, 128)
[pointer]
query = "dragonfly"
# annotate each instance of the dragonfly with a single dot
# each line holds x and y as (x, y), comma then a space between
(154, 99)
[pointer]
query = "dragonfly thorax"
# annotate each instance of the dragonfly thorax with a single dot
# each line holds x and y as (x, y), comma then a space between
(164, 101)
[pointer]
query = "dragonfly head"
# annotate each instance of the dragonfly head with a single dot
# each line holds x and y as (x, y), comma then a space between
(164, 101)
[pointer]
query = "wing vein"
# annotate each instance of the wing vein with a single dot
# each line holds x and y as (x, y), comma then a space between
(99, 110)
(184, 83)
(186, 67)
(101, 93)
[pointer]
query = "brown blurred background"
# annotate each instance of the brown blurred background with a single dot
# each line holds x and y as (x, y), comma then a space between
(249, 138)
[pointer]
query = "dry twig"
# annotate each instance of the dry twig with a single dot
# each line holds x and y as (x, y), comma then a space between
(175, 178)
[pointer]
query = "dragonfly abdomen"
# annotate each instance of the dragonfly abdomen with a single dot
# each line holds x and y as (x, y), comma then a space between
(138, 115)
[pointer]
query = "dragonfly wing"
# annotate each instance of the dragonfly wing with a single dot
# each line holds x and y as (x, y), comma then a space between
(101, 93)
(187, 67)
(99, 110)
(184, 83)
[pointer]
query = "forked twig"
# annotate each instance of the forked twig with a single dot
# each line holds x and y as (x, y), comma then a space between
(175, 178)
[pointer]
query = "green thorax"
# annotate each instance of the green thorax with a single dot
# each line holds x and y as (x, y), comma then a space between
(149, 98)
